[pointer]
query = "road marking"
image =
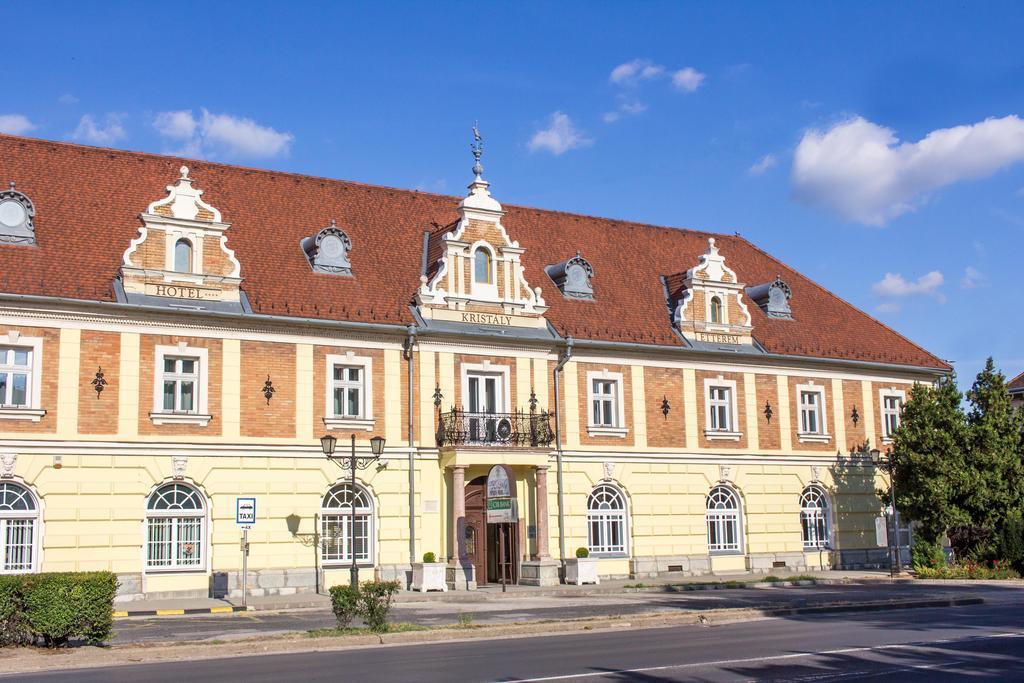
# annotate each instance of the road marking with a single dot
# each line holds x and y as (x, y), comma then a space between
(169, 612)
(773, 658)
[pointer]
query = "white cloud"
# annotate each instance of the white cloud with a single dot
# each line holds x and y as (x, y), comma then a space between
(67, 98)
(15, 124)
(221, 134)
(888, 307)
(559, 137)
(865, 173)
(111, 130)
(688, 79)
(894, 285)
(762, 164)
(973, 278)
(627, 107)
(631, 73)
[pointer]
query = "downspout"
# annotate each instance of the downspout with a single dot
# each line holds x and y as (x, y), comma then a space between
(407, 349)
(563, 358)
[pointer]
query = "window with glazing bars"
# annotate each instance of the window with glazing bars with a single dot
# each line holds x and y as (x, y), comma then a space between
(347, 386)
(720, 405)
(336, 525)
(606, 521)
(175, 520)
(181, 382)
(814, 518)
(810, 412)
(891, 408)
(15, 376)
(19, 517)
(605, 399)
(723, 520)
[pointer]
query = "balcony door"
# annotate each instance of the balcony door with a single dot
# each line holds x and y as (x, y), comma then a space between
(486, 397)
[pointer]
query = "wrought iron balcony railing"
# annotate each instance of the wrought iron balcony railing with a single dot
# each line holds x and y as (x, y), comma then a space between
(519, 429)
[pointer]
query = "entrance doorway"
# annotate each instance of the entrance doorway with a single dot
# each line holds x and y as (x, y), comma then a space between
(485, 542)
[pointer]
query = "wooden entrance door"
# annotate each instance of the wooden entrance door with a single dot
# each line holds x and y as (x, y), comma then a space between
(476, 528)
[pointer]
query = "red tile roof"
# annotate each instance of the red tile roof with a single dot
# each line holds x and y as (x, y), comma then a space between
(1016, 384)
(88, 202)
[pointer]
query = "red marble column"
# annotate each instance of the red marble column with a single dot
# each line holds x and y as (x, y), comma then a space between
(542, 513)
(459, 513)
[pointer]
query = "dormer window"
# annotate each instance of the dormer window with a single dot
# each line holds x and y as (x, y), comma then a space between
(482, 270)
(183, 256)
(16, 214)
(572, 277)
(773, 298)
(328, 250)
(716, 310)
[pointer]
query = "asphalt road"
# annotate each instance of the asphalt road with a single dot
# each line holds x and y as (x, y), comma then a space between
(906, 645)
(439, 613)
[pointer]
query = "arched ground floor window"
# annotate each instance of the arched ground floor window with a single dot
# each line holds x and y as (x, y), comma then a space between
(606, 521)
(336, 527)
(723, 520)
(814, 518)
(175, 528)
(19, 528)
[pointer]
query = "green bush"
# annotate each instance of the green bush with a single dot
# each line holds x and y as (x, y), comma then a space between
(582, 553)
(345, 603)
(999, 569)
(927, 555)
(1011, 540)
(67, 605)
(429, 558)
(13, 628)
(375, 603)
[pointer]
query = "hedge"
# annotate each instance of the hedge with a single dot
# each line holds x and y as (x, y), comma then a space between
(56, 607)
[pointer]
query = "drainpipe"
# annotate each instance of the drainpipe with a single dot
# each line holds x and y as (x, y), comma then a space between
(563, 358)
(407, 348)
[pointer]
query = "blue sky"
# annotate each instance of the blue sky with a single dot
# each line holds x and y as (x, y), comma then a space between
(874, 147)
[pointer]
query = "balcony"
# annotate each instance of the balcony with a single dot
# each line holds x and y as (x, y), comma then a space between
(506, 430)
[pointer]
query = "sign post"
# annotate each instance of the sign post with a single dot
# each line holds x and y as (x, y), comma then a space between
(245, 517)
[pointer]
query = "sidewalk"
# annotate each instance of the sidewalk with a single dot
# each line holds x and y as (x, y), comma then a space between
(277, 603)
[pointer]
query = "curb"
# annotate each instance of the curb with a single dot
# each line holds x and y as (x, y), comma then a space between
(121, 614)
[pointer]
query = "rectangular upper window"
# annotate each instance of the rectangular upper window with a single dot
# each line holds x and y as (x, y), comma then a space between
(606, 416)
(15, 377)
(720, 406)
(892, 411)
(181, 385)
(347, 386)
(349, 392)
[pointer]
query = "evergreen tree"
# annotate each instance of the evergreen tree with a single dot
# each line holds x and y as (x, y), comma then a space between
(931, 459)
(996, 473)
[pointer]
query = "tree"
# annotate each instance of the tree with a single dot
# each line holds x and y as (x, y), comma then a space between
(996, 473)
(931, 444)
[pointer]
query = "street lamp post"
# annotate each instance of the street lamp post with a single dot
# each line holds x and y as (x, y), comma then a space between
(888, 462)
(328, 442)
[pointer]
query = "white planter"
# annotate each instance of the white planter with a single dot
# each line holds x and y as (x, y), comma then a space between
(581, 570)
(429, 576)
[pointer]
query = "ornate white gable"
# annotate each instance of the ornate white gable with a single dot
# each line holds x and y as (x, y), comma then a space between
(181, 257)
(465, 286)
(710, 307)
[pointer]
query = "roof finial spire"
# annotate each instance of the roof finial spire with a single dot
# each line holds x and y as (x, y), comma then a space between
(477, 147)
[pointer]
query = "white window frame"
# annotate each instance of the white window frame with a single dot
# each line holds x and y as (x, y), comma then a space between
(344, 517)
(483, 290)
(35, 519)
(733, 433)
(710, 294)
(195, 237)
(364, 422)
(619, 428)
(823, 513)
(822, 435)
(721, 517)
(883, 394)
(177, 517)
(201, 416)
(605, 519)
(32, 409)
(488, 368)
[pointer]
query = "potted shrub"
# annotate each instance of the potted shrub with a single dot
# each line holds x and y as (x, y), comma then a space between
(582, 569)
(429, 575)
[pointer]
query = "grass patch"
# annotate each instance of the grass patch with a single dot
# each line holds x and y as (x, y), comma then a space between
(705, 585)
(465, 620)
(400, 627)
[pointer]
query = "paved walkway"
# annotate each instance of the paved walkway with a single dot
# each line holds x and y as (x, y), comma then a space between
(491, 592)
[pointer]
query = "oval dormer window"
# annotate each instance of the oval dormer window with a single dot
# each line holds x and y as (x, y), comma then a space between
(716, 310)
(482, 267)
(183, 256)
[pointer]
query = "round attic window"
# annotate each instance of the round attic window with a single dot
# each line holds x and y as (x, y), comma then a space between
(12, 213)
(331, 247)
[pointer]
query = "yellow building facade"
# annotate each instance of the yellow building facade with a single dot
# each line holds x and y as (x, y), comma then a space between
(683, 431)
